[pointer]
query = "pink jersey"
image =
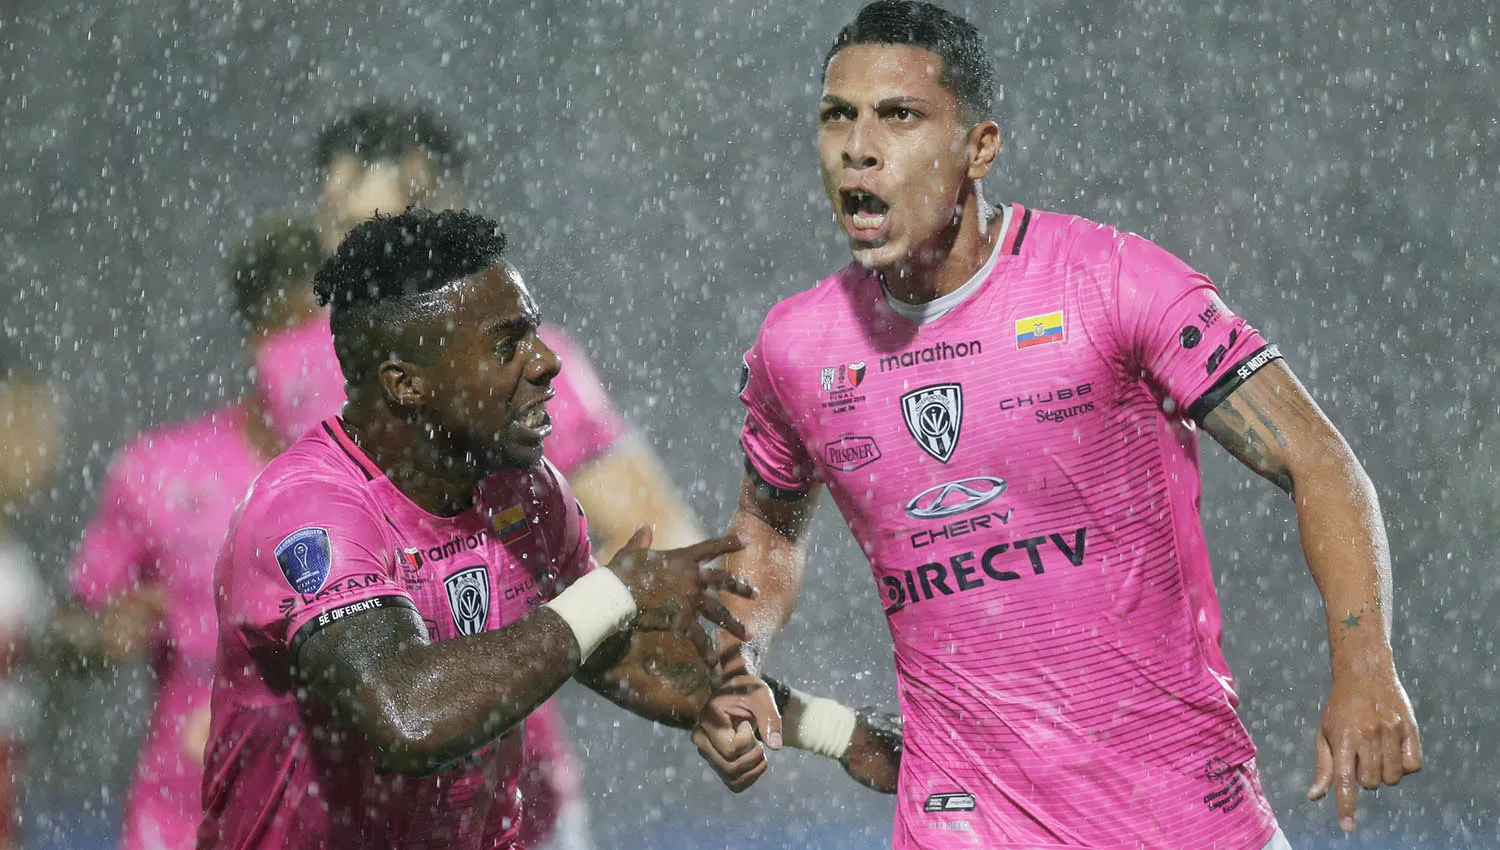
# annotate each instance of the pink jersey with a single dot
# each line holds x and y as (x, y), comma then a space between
(1022, 473)
(324, 535)
(167, 500)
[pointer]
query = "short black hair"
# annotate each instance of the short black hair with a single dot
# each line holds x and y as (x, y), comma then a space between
(381, 131)
(386, 264)
(282, 248)
(967, 71)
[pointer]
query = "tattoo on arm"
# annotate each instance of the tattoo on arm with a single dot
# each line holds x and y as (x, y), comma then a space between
(1250, 441)
(686, 676)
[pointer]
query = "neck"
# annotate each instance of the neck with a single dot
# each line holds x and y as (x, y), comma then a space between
(423, 463)
(950, 258)
(263, 440)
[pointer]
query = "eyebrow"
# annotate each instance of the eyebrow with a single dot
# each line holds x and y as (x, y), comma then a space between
(527, 321)
(888, 103)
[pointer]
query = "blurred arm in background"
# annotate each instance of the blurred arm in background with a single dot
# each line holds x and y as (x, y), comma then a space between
(627, 487)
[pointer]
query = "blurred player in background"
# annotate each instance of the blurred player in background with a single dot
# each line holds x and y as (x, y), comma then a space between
(143, 572)
(1004, 403)
(382, 157)
(30, 420)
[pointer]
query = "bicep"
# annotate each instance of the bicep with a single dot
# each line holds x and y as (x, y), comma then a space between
(1272, 425)
(343, 662)
(767, 509)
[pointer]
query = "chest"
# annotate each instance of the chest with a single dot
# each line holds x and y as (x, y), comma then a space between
(480, 572)
(955, 396)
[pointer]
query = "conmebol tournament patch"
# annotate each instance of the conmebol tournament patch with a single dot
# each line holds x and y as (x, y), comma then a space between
(305, 557)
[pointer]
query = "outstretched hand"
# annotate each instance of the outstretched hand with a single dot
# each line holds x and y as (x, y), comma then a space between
(672, 589)
(1368, 735)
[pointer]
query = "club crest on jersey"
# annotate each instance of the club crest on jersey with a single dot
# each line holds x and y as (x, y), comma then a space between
(410, 558)
(843, 377)
(1039, 330)
(510, 524)
(469, 599)
(305, 557)
(934, 416)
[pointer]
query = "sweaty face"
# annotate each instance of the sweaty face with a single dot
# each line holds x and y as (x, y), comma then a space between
(489, 384)
(893, 149)
(354, 190)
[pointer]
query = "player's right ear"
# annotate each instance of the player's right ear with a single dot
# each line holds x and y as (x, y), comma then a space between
(402, 383)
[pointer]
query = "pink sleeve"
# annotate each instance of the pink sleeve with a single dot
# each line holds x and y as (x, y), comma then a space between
(585, 424)
(575, 553)
(772, 446)
(306, 554)
(1179, 330)
(115, 545)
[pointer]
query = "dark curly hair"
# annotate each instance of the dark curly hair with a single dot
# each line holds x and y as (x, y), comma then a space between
(380, 131)
(967, 71)
(376, 279)
(282, 249)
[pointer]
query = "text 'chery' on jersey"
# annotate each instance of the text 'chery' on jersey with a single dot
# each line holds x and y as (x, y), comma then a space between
(1022, 473)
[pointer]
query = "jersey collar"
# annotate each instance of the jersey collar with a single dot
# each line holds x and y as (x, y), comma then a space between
(937, 308)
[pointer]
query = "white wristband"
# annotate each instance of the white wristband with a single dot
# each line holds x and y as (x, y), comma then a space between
(594, 607)
(819, 725)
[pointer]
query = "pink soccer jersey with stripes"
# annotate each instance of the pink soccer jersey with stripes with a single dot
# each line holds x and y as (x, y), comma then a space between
(1022, 473)
(323, 536)
(166, 503)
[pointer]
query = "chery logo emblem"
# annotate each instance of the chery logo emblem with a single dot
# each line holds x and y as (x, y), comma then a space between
(955, 497)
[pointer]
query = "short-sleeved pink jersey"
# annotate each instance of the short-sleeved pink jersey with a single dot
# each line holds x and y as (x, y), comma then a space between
(167, 500)
(323, 536)
(1022, 473)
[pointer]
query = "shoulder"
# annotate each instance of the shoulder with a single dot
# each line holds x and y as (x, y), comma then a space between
(1120, 264)
(1071, 239)
(310, 480)
(167, 450)
(811, 313)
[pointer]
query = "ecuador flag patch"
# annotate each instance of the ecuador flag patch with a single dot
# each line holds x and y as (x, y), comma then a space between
(1039, 330)
(510, 524)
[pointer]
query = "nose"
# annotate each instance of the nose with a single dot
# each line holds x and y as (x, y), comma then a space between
(860, 148)
(544, 363)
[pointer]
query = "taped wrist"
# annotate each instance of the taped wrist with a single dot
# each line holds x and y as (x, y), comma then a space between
(595, 607)
(819, 725)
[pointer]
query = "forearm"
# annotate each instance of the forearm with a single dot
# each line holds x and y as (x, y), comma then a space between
(433, 704)
(1344, 541)
(422, 705)
(774, 565)
(657, 675)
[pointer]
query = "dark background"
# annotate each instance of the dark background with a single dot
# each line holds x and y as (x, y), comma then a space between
(1334, 169)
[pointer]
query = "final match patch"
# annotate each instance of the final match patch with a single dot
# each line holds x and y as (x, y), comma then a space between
(510, 524)
(305, 557)
(1039, 330)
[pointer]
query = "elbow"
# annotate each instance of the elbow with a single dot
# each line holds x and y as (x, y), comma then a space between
(1328, 466)
(403, 739)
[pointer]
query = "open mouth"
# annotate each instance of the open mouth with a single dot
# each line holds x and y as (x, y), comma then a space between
(535, 419)
(864, 211)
